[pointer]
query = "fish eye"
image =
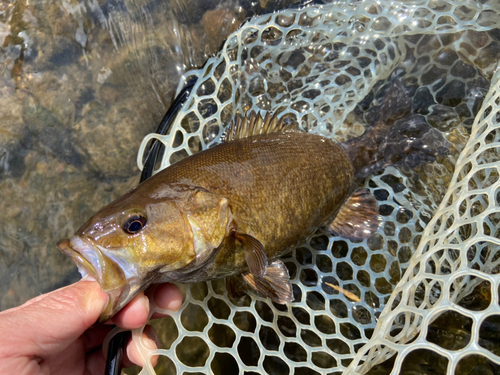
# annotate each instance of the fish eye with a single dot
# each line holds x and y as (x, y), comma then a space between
(134, 224)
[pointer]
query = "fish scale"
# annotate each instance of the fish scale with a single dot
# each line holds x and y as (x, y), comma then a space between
(272, 178)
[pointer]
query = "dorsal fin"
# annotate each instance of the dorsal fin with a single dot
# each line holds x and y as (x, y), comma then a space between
(253, 124)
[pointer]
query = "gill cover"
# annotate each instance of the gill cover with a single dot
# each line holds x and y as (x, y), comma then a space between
(185, 225)
(205, 216)
(208, 216)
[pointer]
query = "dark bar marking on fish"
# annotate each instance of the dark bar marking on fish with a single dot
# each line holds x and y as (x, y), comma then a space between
(275, 284)
(255, 255)
(358, 218)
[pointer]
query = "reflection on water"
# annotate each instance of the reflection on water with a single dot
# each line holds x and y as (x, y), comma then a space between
(82, 82)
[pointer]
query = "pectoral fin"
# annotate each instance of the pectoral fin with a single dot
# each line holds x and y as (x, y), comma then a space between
(358, 218)
(275, 284)
(255, 255)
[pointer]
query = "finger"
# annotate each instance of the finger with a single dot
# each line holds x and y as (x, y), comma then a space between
(94, 336)
(49, 323)
(95, 362)
(150, 340)
(135, 314)
(167, 297)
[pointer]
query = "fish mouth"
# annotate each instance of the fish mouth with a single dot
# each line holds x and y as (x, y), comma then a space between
(90, 260)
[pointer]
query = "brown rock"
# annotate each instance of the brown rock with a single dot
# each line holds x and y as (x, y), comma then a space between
(218, 25)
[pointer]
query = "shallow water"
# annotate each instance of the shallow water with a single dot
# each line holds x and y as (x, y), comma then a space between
(82, 83)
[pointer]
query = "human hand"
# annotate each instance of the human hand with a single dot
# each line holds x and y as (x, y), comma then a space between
(55, 332)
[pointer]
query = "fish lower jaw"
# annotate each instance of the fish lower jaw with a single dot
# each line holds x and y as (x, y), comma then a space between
(73, 248)
(118, 278)
(86, 258)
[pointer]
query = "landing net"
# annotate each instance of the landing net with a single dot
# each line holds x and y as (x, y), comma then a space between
(422, 294)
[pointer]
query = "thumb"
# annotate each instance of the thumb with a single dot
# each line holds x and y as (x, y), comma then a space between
(49, 323)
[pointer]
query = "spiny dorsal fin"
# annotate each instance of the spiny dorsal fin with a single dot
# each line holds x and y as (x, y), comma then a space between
(253, 124)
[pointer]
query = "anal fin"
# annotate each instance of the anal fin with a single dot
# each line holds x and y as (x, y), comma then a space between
(275, 284)
(358, 218)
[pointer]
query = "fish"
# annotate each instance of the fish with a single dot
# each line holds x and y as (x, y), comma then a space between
(231, 211)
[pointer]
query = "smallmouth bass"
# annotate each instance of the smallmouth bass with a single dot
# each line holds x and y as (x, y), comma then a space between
(232, 210)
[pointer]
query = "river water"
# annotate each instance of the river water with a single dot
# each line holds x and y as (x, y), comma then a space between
(82, 83)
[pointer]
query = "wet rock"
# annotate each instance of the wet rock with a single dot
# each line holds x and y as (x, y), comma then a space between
(428, 43)
(219, 24)
(488, 56)
(443, 118)
(272, 5)
(72, 121)
(110, 138)
(463, 70)
(253, 7)
(190, 11)
(433, 76)
(109, 93)
(446, 57)
(68, 52)
(57, 20)
(422, 101)
(452, 93)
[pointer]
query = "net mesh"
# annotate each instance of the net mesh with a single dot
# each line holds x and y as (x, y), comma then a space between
(423, 290)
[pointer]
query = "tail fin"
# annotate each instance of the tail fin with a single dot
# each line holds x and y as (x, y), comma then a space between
(396, 138)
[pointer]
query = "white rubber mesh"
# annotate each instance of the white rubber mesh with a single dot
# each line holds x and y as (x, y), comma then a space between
(459, 252)
(317, 65)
